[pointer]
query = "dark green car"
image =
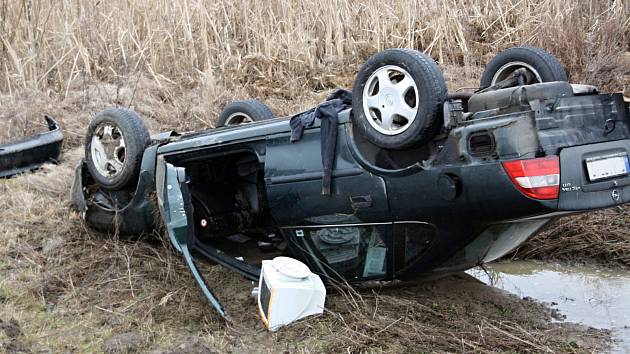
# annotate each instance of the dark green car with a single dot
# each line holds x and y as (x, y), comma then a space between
(423, 182)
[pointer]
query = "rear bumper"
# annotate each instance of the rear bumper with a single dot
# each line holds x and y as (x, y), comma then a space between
(31, 153)
(577, 192)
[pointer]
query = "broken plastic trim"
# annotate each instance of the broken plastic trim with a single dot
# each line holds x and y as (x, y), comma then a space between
(31, 153)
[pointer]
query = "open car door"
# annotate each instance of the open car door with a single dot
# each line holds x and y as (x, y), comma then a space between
(177, 212)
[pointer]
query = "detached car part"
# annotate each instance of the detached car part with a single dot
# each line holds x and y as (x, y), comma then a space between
(450, 183)
(31, 153)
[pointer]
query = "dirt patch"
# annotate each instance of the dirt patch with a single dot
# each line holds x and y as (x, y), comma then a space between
(455, 314)
(124, 342)
(12, 341)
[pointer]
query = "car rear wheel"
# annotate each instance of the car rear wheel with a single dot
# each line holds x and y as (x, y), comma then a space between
(243, 112)
(543, 66)
(397, 98)
(115, 143)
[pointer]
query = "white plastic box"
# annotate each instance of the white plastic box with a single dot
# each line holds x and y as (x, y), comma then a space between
(287, 292)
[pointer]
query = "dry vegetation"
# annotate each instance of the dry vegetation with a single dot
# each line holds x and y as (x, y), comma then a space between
(198, 55)
(66, 288)
(602, 237)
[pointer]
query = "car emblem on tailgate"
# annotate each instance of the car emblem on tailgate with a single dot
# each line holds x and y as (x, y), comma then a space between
(615, 195)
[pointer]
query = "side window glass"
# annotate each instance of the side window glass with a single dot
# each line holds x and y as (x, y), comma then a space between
(412, 240)
(355, 252)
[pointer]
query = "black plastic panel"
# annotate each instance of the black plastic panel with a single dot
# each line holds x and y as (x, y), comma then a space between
(577, 192)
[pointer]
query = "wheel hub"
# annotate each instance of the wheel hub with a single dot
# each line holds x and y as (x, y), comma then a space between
(390, 100)
(238, 118)
(108, 150)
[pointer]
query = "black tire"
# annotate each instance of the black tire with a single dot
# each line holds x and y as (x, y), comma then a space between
(545, 64)
(235, 112)
(136, 139)
(431, 92)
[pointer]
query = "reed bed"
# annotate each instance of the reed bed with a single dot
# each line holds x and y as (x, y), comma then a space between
(280, 43)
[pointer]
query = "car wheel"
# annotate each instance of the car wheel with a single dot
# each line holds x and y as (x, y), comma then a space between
(244, 111)
(115, 143)
(543, 66)
(397, 98)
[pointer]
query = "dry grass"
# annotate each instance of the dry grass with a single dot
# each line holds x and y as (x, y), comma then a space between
(192, 57)
(601, 237)
(456, 314)
(278, 42)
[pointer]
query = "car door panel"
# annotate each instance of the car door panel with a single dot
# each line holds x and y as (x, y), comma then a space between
(293, 178)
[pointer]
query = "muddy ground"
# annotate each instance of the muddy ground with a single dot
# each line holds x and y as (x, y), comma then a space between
(65, 288)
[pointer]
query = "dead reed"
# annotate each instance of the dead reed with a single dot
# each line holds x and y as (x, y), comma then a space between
(280, 43)
(601, 237)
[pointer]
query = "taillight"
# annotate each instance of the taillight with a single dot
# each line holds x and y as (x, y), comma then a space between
(536, 178)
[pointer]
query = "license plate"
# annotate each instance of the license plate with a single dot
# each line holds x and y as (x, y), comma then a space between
(607, 166)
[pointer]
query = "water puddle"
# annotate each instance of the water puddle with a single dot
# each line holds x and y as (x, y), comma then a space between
(586, 295)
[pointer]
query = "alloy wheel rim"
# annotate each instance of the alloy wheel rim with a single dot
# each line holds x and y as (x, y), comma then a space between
(108, 150)
(390, 100)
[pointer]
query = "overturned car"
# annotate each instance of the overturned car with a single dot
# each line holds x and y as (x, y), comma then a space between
(397, 180)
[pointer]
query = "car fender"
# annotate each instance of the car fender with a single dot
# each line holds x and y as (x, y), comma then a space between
(135, 217)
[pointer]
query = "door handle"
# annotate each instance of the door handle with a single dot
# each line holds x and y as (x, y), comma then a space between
(361, 201)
